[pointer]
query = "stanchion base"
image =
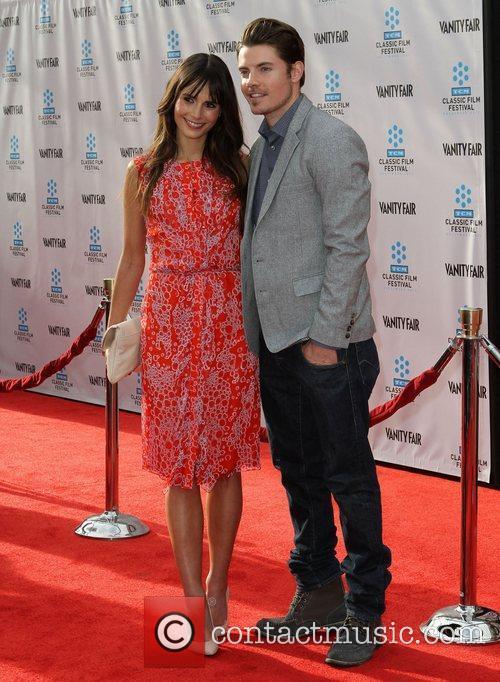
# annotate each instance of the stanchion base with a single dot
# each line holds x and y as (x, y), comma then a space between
(463, 625)
(111, 525)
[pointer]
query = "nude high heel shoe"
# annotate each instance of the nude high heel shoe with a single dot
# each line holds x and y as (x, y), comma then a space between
(211, 647)
(212, 602)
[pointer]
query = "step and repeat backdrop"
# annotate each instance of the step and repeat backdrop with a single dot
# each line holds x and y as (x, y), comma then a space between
(80, 82)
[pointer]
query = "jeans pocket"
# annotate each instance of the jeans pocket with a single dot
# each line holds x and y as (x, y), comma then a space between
(368, 362)
(341, 359)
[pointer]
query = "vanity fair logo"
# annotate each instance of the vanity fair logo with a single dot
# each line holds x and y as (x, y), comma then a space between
(13, 110)
(172, 3)
(393, 43)
(10, 74)
(88, 68)
(222, 47)
(462, 98)
(334, 37)
(173, 55)
(95, 252)
(396, 159)
(46, 23)
(217, 7)
(463, 221)
(22, 332)
(53, 205)
(398, 276)
(333, 101)
(14, 162)
(130, 113)
(9, 22)
(17, 247)
(125, 15)
(85, 12)
(454, 26)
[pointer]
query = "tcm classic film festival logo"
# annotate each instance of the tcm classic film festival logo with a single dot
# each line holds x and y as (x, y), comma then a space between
(174, 55)
(399, 275)
(45, 20)
(95, 252)
(217, 7)
(136, 393)
(61, 382)
(462, 98)
(14, 161)
(22, 331)
(333, 100)
(53, 205)
(17, 247)
(393, 43)
(463, 221)
(10, 73)
(126, 15)
(88, 68)
(129, 113)
(91, 161)
(396, 159)
(56, 293)
(49, 115)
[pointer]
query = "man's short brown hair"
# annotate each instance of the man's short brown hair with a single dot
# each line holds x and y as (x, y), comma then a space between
(280, 35)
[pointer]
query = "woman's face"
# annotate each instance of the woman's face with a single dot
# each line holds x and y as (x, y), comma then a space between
(195, 116)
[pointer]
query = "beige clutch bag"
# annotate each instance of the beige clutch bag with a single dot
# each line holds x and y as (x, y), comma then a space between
(122, 346)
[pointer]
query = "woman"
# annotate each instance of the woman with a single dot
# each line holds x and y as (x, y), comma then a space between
(200, 401)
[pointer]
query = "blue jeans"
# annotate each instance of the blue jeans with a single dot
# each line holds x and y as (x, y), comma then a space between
(318, 420)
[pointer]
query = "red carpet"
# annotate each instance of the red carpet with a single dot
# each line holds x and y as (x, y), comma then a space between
(72, 607)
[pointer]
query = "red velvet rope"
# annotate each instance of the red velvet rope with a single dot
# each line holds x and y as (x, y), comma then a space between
(31, 380)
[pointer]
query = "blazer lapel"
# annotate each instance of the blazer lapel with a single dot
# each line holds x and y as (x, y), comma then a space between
(289, 144)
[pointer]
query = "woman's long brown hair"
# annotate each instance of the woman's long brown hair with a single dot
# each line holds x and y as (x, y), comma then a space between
(224, 140)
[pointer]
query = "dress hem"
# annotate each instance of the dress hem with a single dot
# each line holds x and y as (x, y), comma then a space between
(202, 484)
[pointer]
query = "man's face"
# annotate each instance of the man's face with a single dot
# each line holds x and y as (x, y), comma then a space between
(266, 83)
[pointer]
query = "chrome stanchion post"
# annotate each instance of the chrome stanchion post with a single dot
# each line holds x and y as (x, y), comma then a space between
(467, 623)
(111, 524)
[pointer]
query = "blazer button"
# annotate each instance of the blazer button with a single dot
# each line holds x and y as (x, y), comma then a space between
(348, 336)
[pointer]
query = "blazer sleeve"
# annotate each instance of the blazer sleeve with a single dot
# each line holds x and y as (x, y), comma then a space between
(340, 171)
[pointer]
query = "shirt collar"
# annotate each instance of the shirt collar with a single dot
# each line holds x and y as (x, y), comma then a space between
(280, 128)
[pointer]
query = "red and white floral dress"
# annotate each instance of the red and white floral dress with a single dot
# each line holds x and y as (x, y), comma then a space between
(200, 399)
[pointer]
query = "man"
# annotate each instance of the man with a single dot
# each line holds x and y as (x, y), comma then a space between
(307, 313)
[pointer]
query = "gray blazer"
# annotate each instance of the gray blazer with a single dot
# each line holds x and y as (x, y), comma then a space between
(303, 263)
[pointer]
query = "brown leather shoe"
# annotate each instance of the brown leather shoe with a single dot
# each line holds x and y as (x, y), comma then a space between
(309, 609)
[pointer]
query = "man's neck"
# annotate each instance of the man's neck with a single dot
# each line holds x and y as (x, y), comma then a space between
(273, 117)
